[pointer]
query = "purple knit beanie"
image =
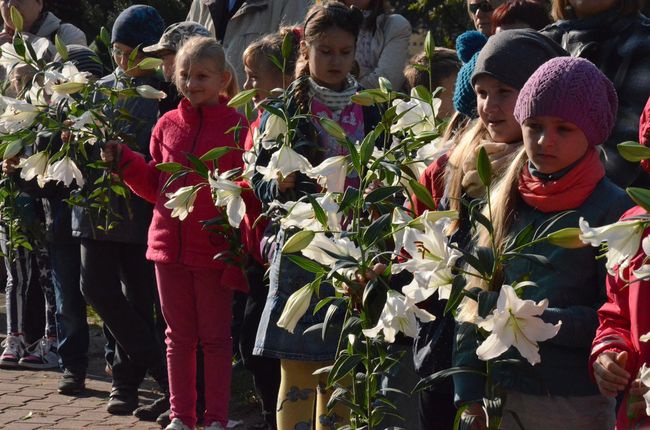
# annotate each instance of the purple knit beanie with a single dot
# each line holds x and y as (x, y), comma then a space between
(572, 89)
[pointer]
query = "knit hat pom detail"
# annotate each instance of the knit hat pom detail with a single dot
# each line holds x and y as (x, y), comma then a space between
(468, 44)
(574, 90)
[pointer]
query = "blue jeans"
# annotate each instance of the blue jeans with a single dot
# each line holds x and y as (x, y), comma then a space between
(72, 326)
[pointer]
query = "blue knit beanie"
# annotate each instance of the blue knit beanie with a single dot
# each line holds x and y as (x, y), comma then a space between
(138, 25)
(468, 45)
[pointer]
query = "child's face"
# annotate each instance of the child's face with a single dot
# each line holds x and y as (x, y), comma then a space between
(586, 8)
(447, 96)
(553, 144)
(200, 81)
(121, 54)
(263, 76)
(331, 58)
(168, 60)
(495, 102)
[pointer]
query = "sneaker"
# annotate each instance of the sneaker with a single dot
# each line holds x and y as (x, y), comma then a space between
(72, 382)
(177, 424)
(164, 419)
(215, 426)
(13, 352)
(153, 410)
(122, 402)
(42, 355)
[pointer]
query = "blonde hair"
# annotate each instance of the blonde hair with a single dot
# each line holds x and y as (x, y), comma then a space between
(468, 140)
(200, 48)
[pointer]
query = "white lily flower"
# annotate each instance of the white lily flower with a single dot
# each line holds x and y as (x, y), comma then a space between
(65, 170)
(645, 337)
(431, 260)
(35, 166)
(149, 92)
(181, 202)
(515, 322)
(37, 95)
(419, 116)
(331, 173)
(301, 214)
(227, 193)
(398, 315)
(295, 308)
(82, 121)
(274, 127)
(321, 244)
(18, 115)
(10, 59)
(622, 239)
(283, 163)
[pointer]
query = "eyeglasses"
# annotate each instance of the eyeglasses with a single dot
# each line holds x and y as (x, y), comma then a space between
(482, 6)
(117, 52)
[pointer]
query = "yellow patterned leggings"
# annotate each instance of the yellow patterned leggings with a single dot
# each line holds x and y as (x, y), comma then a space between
(302, 399)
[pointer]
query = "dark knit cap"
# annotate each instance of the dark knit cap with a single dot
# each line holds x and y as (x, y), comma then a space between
(138, 25)
(468, 46)
(511, 56)
(84, 59)
(574, 90)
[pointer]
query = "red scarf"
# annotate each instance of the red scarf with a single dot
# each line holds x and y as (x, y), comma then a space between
(567, 192)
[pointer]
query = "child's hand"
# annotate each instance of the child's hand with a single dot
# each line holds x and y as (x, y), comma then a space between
(66, 134)
(610, 373)
(10, 165)
(287, 183)
(111, 151)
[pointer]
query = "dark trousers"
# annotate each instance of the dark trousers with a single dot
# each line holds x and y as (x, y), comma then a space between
(119, 283)
(72, 326)
(437, 410)
(265, 370)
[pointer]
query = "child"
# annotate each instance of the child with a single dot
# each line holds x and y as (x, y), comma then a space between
(264, 76)
(382, 45)
(166, 48)
(493, 87)
(195, 291)
(444, 67)
(617, 353)
(116, 279)
(324, 87)
(566, 108)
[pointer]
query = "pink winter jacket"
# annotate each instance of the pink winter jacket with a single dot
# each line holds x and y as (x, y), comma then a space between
(623, 319)
(177, 133)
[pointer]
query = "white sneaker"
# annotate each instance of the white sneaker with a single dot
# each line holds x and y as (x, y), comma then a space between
(177, 424)
(42, 355)
(215, 426)
(13, 352)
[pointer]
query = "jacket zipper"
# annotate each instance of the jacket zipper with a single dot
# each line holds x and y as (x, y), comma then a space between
(180, 223)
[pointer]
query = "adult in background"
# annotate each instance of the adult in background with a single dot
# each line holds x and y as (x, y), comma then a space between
(382, 46)
(480, 12)
(520, 14)
(38, 22)
(614, 36)
(237, 23)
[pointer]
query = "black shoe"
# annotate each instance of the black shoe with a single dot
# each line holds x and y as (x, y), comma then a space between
(72, 382)
(163, 419)
(122, 402)
(153, 410)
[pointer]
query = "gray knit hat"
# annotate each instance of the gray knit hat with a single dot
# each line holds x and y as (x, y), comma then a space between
(138, 25)
(511, 56)
(175, 35)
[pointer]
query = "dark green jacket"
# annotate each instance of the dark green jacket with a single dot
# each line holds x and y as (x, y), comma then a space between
(575, 289)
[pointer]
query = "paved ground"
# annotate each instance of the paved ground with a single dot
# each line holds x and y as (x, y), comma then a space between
(29, 400)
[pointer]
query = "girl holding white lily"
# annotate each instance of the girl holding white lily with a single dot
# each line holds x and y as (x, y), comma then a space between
(323, 88)
(195, 289)
(566, 108)
(620, 352)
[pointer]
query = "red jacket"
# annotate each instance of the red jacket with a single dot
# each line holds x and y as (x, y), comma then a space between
(623, 319)
(433, 178)
(178, 132)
